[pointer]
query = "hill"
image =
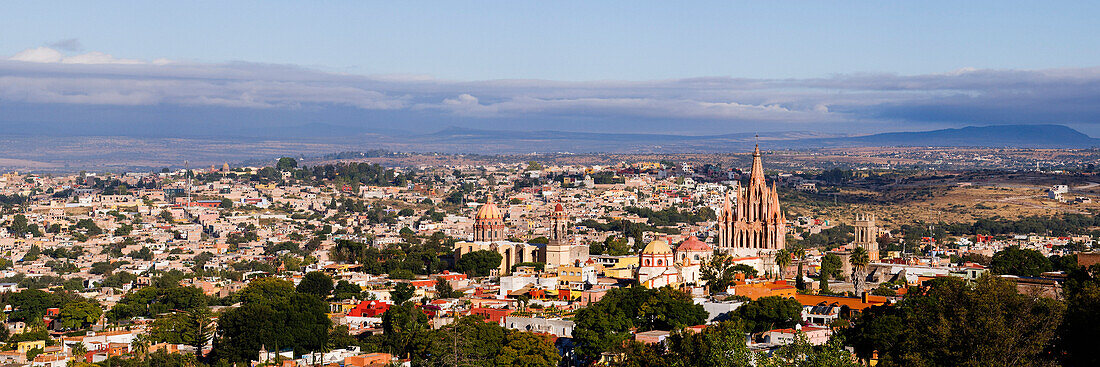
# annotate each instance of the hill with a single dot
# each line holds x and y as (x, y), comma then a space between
(1013, 136)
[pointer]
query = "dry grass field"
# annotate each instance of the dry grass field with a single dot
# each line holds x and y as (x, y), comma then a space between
(940, 203)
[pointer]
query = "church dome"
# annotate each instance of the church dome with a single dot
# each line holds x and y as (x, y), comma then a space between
(657, 247)
(693, 244)
(488, 211)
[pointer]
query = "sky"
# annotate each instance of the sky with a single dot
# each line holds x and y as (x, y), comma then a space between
(662, 67)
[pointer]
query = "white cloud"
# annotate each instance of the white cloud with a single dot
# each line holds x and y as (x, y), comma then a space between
(38, 54)
(49, 55)
(96, 57)
(46, 75)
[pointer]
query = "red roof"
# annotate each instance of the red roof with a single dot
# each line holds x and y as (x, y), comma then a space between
(422, 283)
(693, 244)
(369, 309)
(558, 208)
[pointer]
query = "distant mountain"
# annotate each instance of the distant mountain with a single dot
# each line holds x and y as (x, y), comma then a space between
(143, 147)
(455, 139)
(1014, 136)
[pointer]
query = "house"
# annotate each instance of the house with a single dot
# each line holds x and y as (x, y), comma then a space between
(651, 337)
(815, 335)
(493, 315)
(556, 327)
(24, 347)
(370, 360)
(50, 361)
(847, 306)
(369, 309)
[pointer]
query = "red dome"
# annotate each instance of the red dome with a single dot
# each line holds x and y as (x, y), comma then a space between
(693, 244)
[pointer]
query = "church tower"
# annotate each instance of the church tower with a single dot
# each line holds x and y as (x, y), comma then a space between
(866, 235)
(558, 249)
(754, 225)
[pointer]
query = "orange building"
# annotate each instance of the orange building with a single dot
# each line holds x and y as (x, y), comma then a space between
(368, 360)
(493, 315)
(765, 289)
(848, 305)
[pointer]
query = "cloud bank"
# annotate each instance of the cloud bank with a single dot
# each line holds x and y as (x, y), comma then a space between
(100, 87)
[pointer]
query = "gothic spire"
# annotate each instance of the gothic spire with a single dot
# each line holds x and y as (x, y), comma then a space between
(757, 173)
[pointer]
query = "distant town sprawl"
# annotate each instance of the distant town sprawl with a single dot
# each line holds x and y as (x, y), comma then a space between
(641, 262)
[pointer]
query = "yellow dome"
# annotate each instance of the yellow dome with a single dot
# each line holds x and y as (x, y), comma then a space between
(489, 211)
(657, 247)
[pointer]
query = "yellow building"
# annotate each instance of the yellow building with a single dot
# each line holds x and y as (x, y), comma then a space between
(576, 275)
(621, 267)
(24, 347)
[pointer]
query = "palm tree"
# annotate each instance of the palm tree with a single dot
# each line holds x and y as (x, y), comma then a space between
(783, 259)
(78, 351)
(140, 346)
(859, 261)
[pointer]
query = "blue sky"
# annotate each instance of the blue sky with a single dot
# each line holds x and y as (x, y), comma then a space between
(577, 40)
(704, 67)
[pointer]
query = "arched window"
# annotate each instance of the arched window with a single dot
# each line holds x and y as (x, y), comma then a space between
(646, 262)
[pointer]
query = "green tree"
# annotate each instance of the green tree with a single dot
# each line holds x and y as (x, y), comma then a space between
(443, 289)
(226, 204)
(286, 164)
(31, 304)
(19, 225)
(402, 292)
(79, 314)
(718, 273)
(346, 290)
(123, 230)
(527, 350)
(767, 313)
(830, 267)
(783, 259)
(404, 328)
(479, 263)
(316, 283)
(79, 349)
(859, 259)
(1079, 328)
(192, 328)
(153, 300)
(952, 323)
(799, 281)
(32, 253)
(801, 353)
(34, 353)
(607, 323)
(470, 341)
(273, 314)
(1021, 262)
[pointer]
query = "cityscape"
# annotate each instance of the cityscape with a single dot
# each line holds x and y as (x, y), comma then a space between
(549, 184)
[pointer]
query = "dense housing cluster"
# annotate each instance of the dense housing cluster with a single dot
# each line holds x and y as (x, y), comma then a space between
(642, 263)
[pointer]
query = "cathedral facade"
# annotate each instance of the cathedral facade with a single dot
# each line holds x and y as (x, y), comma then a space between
(490, 234)
(753, 225)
